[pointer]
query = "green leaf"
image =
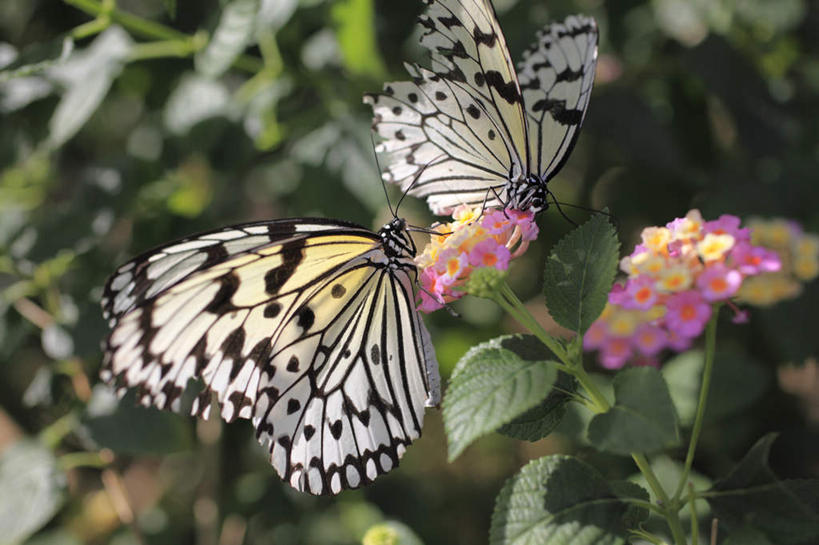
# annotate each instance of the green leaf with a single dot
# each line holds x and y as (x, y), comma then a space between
(86, 75)
(579, 274)
(127, 428)
(31, 490)
(355, 31)
(559, 500)
(625, 490)
(787, 512)
(232, 35)
(541, 420)
(737, 382)
(43, 57)
(643, 417)
(492, 384)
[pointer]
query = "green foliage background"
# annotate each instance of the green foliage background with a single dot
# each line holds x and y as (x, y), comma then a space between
(161, 131)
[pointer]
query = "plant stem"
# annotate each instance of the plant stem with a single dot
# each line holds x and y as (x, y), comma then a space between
(695, 529)
(146, 28)
(82, 459)
(137, 25)
(710, 344)
(57, 430)
(510, 302)
(669, 507)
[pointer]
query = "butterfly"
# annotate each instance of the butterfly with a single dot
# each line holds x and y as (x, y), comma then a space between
(483, 133)
(307, 327)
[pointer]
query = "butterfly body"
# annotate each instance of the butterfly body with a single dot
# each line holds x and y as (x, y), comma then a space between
(307, 327)
(473, 130)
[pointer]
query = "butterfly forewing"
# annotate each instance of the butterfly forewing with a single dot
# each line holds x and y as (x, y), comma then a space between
(307, 327)
(556, 77)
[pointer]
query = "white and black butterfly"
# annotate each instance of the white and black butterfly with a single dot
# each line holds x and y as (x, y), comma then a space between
(483, 133)
(307, 327)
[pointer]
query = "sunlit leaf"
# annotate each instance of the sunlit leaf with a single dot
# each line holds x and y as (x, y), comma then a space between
(559, 500)
(579, 273)
(356, 37)
(195, 99)
(86, 76)
(492, 384)
(231, 37)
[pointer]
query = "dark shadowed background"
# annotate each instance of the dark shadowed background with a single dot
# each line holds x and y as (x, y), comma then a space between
(128, 141)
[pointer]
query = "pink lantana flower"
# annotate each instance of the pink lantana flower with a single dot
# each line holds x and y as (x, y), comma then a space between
(674, 276)
(475, 239)
(718, 283)
(687, 313)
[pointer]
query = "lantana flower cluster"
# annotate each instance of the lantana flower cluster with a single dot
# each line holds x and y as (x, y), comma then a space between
(797, 250)
(674, 277)
(476, 238)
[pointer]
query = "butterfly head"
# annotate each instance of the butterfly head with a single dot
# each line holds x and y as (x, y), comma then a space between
(529, 193)
(396, 239)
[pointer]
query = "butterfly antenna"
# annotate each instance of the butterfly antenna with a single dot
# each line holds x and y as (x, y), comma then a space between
(415, 179)
(559, 209)
(381, 177)
(603, 212)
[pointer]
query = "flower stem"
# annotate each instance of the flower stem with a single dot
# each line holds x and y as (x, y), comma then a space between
(510, 302)
(710, 344)
(173, 42)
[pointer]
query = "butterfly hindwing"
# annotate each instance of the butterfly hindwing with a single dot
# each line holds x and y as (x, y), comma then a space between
(306, 327)
(556, 76)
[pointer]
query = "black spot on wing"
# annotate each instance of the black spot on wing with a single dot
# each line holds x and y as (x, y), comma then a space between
(306, 318)
(508, 90)
(293, 364)
(221, 302)
(293, 406)
(338, 290)
(557, 109)
(272, 310)
(488, 39)
(309, 431)
(473, 111)
(292, 254)
(336, 428)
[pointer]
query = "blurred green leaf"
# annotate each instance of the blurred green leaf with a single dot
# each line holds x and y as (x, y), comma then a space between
(86, 76)
(559, 500)
(234, 32)
(49, 56)
(195, 99)
(127, 428)
(738, 381)
(492, 384)
(643, 417)
(356, 37)
(787, 512)
(31, 490)
(579, 273)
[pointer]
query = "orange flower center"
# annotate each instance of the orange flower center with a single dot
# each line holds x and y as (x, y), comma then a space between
(688, 312)
(718, 285)
(489, 259)
(643, 294)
